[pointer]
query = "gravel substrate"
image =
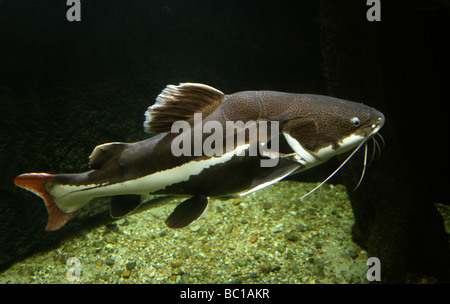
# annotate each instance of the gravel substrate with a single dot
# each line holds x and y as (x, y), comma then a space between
(269, 236)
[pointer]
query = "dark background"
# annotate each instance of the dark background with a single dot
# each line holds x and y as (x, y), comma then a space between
(66, 87)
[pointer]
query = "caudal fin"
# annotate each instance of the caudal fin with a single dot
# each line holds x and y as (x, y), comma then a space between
(35, 182)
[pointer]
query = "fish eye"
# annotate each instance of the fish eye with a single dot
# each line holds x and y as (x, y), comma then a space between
(355, 121)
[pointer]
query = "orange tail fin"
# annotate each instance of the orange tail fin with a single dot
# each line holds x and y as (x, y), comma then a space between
(35, 182)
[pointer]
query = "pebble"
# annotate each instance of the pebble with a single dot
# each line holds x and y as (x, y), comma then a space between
(109, 261)
(253, 275)
(184, 253)
(278, 228)
(131, 265)
(266, 205)
(177, 272)
(123, 222)
(266, 242)
(353, 253)
(242, 262)
(243, 205)
(109, 248)
(318, 245)
(292, 237)
(126, 274)
(195, 228)
(265, 268)
(113, 227)
(253, 238)
(318, 267)
(176, 263)
(275, 268)
(111, 239)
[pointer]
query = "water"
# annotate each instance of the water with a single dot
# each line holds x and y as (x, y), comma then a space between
(269, 236)
(67, 87)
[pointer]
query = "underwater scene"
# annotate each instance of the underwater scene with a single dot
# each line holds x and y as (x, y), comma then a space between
(238, 142)
(264, 237)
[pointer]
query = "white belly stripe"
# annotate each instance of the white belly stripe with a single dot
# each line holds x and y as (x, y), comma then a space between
(70, 198)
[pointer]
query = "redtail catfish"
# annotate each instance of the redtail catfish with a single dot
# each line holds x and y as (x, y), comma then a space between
(208, 144)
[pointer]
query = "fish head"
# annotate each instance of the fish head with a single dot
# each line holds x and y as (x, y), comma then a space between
(330, 126)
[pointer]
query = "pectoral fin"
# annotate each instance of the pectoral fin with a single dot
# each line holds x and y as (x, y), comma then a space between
(122, 205)
(187, 212)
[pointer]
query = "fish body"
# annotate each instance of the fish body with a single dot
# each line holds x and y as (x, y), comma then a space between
(208, 144)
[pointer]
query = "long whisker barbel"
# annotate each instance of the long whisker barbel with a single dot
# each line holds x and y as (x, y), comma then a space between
(335, 171)
(364, 168)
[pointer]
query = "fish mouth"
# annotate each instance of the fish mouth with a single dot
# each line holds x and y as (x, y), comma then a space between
(375, 127)
(372, 130)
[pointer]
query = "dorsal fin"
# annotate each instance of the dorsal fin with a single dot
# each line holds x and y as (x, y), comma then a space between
(180, 103)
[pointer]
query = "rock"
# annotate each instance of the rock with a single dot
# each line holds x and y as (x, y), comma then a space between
(97, 243)
(104, 276)
(318, 245)
(353, 253)
(109, 248)
(242, 262)
(266, 205)
(265, 268)
(113, 227)
(130, 265)
(275, 268)
(184, 253)
(195, 228)
(277, 229)
(162, 233)
(236, 201)
(109, 261)
(243, 205)
(289, 255)
(111, 239)
(292, 237)
(176, 263)
(126, 274)
(190, 240)
(177, 272)
(123, 222)
(318, 268)
(253, 275)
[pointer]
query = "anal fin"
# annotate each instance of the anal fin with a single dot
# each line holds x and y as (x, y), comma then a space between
(187, 212)
(122, 205)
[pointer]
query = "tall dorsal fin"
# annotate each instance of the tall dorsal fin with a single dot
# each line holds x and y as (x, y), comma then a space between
(180, 103)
